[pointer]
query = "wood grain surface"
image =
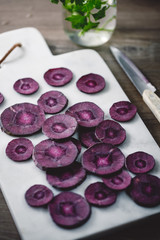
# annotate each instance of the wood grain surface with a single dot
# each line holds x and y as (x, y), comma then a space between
(138, 36)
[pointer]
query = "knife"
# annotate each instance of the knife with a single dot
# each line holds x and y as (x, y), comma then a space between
(145, 88)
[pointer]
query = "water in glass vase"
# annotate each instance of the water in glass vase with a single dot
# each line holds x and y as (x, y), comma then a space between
(98, 35)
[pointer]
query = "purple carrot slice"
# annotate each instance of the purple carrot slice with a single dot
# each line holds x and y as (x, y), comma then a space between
(109, 131)
(100, 195)
(91, 83)
(87, 137)
(51, 154)
(123, 111)
(87, 114)
(69, 209)
(22, 119)
(77, 143)
(118, 181)
(66, 177)
(59, 126)
(140, 162)
(103, 159)
(19, 149)
(38, 195)
(1, 98)
(58, 76)
(26, 86)
(52, 101)
(145, 190)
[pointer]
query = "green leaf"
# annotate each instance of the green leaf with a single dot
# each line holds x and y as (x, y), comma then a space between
(100, 14)
(89, 26)
(79, 2)
(88, 6)
(98, 4)
(81, 12)
(54, 1)
(78, 21)
(68, 5)
(79, 7)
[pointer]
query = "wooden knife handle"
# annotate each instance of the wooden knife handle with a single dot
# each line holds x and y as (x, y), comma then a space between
(153, 102)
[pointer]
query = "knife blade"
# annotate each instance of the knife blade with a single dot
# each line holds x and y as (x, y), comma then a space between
(145, 88)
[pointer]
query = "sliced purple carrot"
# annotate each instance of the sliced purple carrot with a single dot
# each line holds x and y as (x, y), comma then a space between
(69, 209)
(22, 119)
(145, 190)
(100, 195)
(1, 98)
(59, 126)
(52, 101)
(77, 143)
(123, 111)
(19, 149)
(91, 83)
(51, 154)
(103, 159)
(26, 86)
(140, 162)
(66, 177)
(109, 131)
(87, 136)
(58, 76)
(118, 181)
(38, 195)
(87, 114)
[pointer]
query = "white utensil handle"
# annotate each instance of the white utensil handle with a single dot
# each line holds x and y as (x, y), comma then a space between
(153, 102)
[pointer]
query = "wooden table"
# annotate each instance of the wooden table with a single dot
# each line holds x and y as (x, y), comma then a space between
(138, 35)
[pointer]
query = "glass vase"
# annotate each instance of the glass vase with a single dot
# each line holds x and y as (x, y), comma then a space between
(96, 36)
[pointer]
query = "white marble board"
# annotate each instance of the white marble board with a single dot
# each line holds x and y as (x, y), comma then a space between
(32, 60)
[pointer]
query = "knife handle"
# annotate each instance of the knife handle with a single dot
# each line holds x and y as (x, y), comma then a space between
(153, 102)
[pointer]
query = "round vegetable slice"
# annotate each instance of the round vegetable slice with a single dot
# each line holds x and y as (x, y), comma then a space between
(22, 119)
(91, 83)
(103, 158)
(58, 76)
(118, 181)
(69, 209)
(109, 131)
(59, 126)
(77, 143)
(51, 154)
(145, 190)
(66, 177)
(100, 195)
(38, 195)
(87, 137)
(19, 149)
(123, 111)
(140, 162)
(26, 86)
(87, 114)
(1, 98)
(52, 101)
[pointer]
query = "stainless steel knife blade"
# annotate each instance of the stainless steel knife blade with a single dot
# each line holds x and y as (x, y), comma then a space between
(137, 78)
(142, 84)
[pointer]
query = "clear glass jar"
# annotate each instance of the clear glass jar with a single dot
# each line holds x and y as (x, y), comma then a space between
(96, 36)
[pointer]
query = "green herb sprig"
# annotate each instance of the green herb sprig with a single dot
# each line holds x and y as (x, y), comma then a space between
(83, 17)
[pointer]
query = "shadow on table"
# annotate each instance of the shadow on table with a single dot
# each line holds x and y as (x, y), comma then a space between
(144, 229)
